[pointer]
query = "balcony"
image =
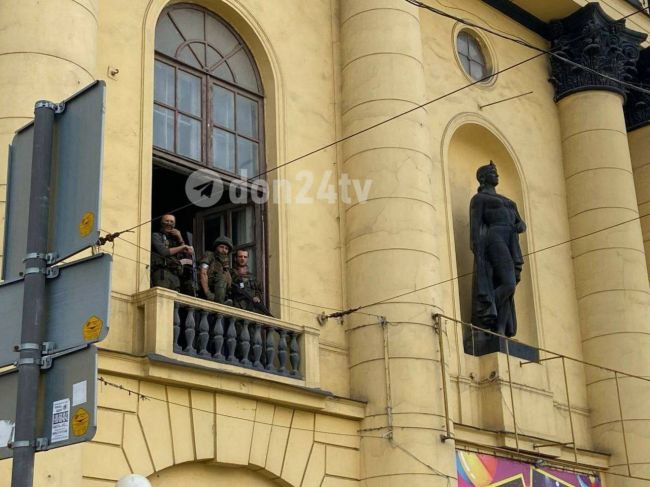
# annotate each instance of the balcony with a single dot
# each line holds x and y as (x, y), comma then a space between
(196, 332)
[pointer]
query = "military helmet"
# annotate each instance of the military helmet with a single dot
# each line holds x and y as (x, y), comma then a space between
(223, 240)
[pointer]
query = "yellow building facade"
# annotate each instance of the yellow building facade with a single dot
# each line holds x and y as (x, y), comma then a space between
(367, 375)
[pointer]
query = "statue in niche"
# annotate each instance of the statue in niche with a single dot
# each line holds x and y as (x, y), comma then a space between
(495, 226)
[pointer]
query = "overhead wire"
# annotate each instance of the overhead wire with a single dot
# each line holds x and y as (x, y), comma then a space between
(417, 3)
(527, 44)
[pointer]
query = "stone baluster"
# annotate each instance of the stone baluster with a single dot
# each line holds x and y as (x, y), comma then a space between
(190, 331)
(257, 346)
(217, 338)
(231, 340)
(294, 354)
(204, 328)
(177, 328)
(282, 351)
(270, 349)
(245, 343)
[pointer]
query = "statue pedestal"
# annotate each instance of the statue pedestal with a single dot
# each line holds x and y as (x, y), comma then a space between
(481, 343)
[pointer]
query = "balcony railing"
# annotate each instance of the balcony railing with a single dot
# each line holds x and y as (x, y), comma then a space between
(186, 328)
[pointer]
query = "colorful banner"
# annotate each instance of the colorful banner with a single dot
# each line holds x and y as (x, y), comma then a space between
(478, 470)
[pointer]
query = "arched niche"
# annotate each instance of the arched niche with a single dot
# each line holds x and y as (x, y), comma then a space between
(471, 146)
(208, 475)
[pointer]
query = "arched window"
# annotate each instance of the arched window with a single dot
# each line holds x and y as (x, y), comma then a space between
(207, 94)
(208, 113)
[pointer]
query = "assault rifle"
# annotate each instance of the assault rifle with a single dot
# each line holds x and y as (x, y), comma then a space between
(239, 293)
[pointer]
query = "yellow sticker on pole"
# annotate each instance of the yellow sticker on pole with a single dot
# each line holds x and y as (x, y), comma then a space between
(86, 223)
(80, 422)
(92, 328)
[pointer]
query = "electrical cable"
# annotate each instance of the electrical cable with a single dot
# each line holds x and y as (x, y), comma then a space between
(522, 42)
(513, 38)
(425, 104)
(467, 274)
(360, 435)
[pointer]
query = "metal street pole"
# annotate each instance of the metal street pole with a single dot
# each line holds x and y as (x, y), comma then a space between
(34, 306)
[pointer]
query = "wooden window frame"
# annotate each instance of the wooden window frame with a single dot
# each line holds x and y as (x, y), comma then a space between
(171, 159)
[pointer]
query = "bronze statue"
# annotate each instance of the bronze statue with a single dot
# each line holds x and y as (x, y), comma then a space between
(495, 226)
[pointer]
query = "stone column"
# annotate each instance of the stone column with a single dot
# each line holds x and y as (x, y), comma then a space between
(391, 247)
(610, 268)
(47, 51)
(637, 117)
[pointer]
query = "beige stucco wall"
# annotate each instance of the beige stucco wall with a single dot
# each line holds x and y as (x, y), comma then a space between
(301, 66)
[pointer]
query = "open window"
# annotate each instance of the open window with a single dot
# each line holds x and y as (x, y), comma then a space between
(208, 114)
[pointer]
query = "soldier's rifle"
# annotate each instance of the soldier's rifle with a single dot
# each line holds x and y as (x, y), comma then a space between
(242, 292)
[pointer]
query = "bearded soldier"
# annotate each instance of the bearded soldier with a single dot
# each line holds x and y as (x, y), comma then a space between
(168, 255)
(214, 273)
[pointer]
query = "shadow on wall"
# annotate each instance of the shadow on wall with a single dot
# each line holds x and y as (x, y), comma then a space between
(472, 146)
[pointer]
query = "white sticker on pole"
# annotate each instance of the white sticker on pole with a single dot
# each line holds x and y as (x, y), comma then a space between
(60, 420)
(6, 432)
(79, 393)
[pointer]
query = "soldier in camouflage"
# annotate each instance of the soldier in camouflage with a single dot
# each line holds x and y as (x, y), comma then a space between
(168, 255)
(214, 271)
(246, 291)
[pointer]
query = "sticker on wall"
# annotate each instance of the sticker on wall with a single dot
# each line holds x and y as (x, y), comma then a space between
(60, 420)
(92, 328)
(79, 393)
(86, 223)
(80, 422)
(479, 470)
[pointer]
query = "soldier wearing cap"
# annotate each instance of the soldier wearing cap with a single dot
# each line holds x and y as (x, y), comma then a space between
(169, 254)
(214, 273)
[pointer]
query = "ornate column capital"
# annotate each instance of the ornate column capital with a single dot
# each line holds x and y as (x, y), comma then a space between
(637, 106)
(591, 38)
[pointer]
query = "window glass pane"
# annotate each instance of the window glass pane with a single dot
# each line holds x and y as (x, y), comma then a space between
(219, 36)
(223, 150)
(167, 37)
(465, 62)
(223, 107)
(246, 117)
(189, 137)
(223, 72)
(163, 128)
(213, 57)
(199, 52)
(188, 57)
(476, 70)
(462, 44)
(475, 53)
(247, 156)
(164, 83)
(189, 93)
(190, 23)
(241, 66)
(242, 226)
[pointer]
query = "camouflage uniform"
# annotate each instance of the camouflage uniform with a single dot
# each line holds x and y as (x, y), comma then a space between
(244, 288)
(166, 269)
(219, 278)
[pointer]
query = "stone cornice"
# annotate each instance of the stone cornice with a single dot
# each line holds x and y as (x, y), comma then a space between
(637, 106)
(591, 38)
